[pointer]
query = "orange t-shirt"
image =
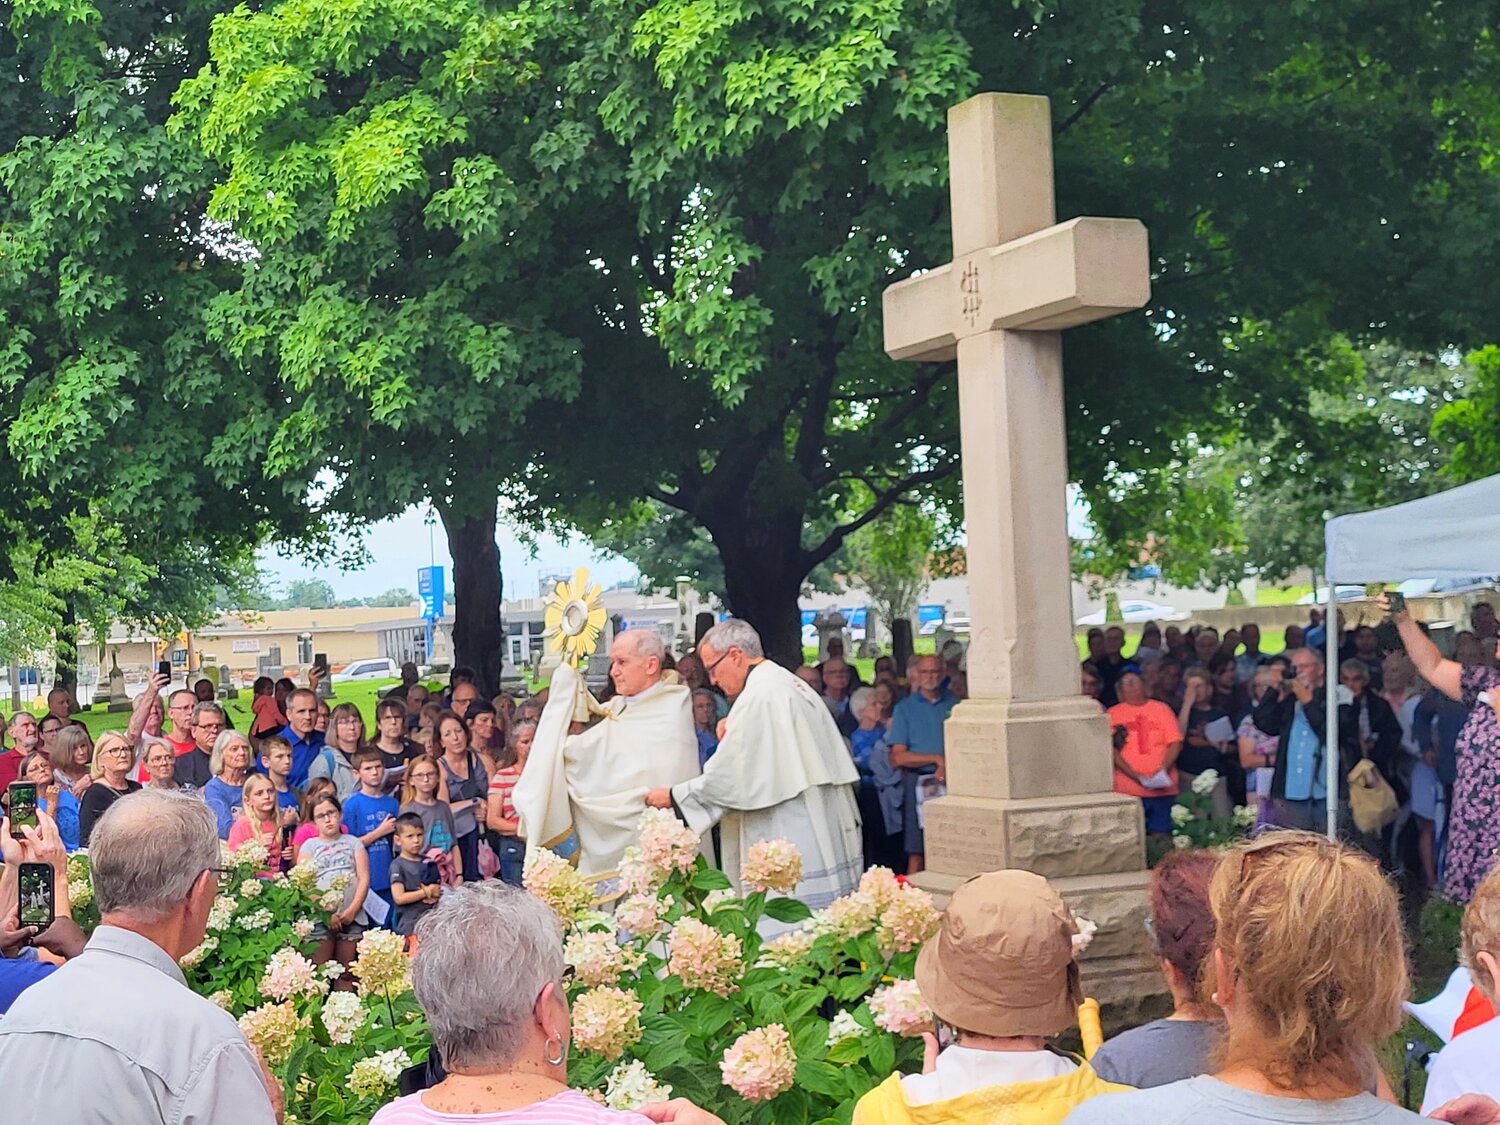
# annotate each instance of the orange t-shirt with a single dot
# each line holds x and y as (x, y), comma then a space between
(1150, 729)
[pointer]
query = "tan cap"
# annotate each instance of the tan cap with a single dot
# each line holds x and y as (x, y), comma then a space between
(1002, 963)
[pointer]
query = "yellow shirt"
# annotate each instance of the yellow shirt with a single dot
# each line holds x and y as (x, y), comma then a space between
(1045, 1102)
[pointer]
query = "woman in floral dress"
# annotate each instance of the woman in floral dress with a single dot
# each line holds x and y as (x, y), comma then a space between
(1474, 822)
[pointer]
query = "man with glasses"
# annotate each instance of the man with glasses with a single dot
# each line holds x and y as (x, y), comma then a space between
(1295, 711)
(115, 1035)
(206, 721)
(180, 706)
(916, 742)
(782, 771)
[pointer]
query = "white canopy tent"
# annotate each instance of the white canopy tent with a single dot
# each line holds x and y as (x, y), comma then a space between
(1453, 534)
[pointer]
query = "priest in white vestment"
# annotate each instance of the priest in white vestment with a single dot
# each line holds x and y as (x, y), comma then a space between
(582, 794)
(782, 771)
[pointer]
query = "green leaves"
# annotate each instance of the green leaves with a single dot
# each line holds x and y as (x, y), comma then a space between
(789, 910)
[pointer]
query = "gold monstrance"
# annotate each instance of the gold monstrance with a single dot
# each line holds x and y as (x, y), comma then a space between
(574, 618)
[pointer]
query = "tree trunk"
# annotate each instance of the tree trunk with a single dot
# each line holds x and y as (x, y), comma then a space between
(763, 574)
(67, 652)
(478, 633)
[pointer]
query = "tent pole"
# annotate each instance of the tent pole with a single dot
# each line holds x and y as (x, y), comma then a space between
(1331, 703)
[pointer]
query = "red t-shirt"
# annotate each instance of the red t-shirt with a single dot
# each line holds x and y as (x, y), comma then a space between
(10, 767)
(1150, 729)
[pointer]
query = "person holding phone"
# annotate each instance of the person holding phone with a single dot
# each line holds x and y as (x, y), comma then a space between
(53, 799)
(154, 1051)
(1474, 821)
(29, 953)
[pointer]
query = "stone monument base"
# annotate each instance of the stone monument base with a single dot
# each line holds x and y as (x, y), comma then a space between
(1092, 848)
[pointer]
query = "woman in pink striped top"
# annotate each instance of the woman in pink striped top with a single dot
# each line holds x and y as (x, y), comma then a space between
(494, 951)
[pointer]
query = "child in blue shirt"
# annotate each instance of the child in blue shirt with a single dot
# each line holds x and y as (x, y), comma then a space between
(371, 815)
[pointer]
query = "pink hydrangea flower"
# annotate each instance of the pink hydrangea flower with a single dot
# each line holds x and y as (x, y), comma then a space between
(907, 919)
(597, 958)
(881, 884)
(289, 974)
(606, 1021)
(772, 865)
(900, 1009)
(666, 843)
(702, 957)
(641, 916)
(760, 1064)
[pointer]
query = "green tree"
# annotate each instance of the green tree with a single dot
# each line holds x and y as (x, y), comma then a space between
(888, 560)
(676, 217)
(308, 593)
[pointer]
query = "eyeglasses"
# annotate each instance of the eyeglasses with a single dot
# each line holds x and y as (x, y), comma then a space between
(118, 750)
(709, 671)
(221, 874)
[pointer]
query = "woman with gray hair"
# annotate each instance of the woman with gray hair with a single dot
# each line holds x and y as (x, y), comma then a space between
(229, 762)
(489, 975)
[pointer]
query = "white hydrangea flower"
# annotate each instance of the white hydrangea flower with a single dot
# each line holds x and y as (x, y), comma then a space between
(250, 888)
(222, 998)
(715, 899)
(332, 970)
(1181, 814)
(220, 914)
(1244, 816)
(343, 1016)
(257, 919)
(1182, 843)
(843, 1026)
(303, 928)
(1204, 783)
(630, 1086)
(375, 1075)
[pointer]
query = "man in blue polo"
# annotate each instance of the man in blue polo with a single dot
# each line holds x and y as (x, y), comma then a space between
(916, 742)
(302, 732)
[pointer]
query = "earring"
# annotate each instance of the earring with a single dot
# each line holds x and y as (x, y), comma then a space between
(1215, 998)
(562, 1053)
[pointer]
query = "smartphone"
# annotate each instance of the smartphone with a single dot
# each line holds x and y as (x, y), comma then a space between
(22, 804)
(164, 669)
(320, 660)
(36, 895)
(1397, 601)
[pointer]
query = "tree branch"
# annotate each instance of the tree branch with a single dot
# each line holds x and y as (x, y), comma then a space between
(883, 501)
(919, 392)
(1084, 106)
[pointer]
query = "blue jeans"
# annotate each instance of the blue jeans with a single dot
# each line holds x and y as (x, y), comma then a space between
(512, 859)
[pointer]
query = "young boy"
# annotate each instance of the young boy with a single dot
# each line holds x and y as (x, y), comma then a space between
(276, 760)
(371, 815)
(414, 880)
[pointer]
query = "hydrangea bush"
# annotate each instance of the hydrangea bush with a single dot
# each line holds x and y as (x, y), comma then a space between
(1194, 824)
(681, 993)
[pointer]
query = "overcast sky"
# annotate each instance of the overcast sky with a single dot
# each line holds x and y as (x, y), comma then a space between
(399, 546)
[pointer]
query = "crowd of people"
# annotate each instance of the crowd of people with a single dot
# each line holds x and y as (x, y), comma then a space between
(1415, 729)
(1283, 957)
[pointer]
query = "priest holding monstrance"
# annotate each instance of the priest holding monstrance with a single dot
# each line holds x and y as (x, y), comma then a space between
(591, 765)
(782, 771)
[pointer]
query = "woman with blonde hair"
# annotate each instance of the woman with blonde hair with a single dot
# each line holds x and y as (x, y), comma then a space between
(113, 759)
(1309, 969)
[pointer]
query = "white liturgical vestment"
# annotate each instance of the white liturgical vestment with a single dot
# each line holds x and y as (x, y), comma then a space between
(782, 771)
(593, 784)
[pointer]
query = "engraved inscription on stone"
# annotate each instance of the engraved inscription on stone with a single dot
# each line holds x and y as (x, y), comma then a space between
(968, 286)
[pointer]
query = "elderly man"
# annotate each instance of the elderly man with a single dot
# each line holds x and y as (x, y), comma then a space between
(916, 741)
(115, 1035)
(206, 723)
(782, 771)
(25, 736)
(591, 784)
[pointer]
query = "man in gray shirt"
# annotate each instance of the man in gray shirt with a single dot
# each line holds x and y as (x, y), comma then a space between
(115, 1037)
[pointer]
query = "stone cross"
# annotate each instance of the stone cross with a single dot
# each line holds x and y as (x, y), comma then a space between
(1029, 764)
